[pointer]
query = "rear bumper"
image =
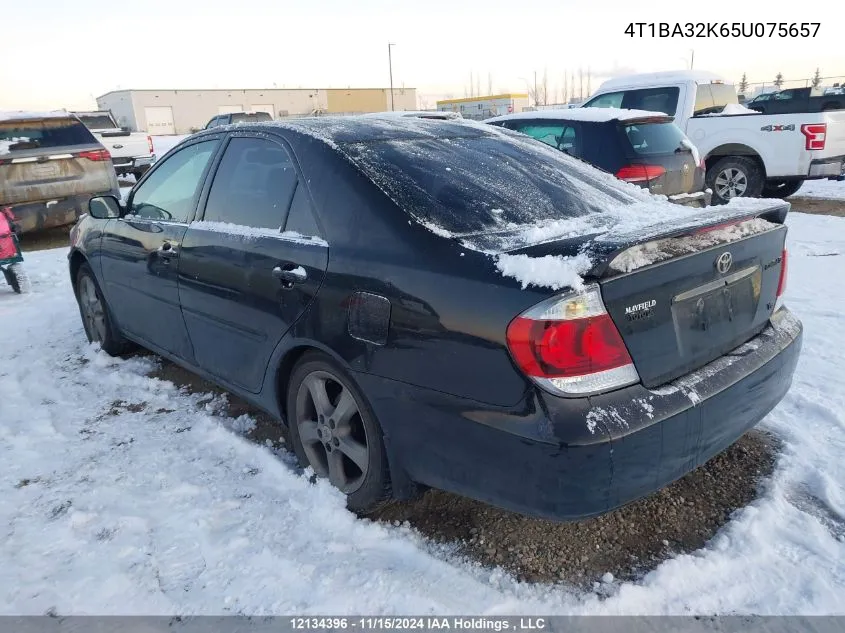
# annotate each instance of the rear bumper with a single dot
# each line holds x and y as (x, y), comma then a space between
(833, 167)
(696, 199)
(36, 216)
(126, 164)
(566, 459)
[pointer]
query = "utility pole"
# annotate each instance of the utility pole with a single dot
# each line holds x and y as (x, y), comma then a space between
(535, 88)
(692, 58)
(390, 63)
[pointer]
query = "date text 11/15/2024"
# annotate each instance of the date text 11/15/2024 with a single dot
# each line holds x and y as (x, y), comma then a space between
(424, 623)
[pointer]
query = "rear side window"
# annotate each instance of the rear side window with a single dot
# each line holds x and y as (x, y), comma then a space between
(301, 217)
(97, 122)
(42, 133)
(554, 134)
(711, 98)
(253, 185)
(648, 139)
(664, 99)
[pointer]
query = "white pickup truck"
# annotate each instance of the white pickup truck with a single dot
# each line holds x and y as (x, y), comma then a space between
(131, 152)
(746, 153)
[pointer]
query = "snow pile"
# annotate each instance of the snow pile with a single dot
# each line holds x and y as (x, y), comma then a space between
(252, 233)
(124, 495)
(588, 114)
(733, 109)
(550, 271)
(828, 189)
(649, 253)
(6, 144)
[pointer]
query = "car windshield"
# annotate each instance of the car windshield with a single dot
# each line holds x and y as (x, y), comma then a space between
(485, 184)
(649, 139)
(98, 122)
(42, 133)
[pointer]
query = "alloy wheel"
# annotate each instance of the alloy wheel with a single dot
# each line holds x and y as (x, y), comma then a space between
(731, 183)
(331, 430)
(92, 310)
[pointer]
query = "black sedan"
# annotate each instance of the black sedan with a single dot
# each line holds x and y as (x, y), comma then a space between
(450, 305)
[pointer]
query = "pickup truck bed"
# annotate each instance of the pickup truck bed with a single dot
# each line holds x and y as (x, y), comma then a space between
(131, 152)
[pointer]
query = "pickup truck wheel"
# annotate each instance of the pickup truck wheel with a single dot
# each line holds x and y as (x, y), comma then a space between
(734, 177)
(781, 188)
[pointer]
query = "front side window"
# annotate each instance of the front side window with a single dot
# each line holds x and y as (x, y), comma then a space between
(170, 191)
(253, 185)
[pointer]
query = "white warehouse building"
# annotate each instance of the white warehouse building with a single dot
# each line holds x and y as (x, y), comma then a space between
(162, 112)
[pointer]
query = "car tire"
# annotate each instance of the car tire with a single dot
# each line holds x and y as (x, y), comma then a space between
(323, 438)
(96, 317)
(17, 278)
(738, 174)
(781, 188)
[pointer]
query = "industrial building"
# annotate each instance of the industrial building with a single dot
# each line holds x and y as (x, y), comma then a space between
(162, 112)
(484, 107)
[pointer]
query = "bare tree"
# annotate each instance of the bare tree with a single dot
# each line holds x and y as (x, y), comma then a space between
(489, 83)
(589, 78)
(565, 87)
(545, 87)
(581, 84)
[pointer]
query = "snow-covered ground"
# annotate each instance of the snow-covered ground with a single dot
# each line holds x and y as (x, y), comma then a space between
(833, 189)
(121, 494)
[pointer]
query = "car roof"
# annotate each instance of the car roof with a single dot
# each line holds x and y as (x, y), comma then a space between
(592, 115)
(338, 130)
(30, 115)
(666, 77)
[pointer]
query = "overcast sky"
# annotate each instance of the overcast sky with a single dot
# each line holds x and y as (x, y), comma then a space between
(56, 53)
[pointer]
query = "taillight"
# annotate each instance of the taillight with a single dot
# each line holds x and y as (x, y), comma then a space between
(782, 281)
(150, 144)
(95, 154)
(640, 173)
(570, 346)
(815, 133)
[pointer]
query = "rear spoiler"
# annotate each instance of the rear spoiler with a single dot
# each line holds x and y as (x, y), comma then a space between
(602, 248)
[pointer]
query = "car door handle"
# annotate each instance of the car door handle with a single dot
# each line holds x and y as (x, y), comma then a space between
(290, 274)
(168, 249)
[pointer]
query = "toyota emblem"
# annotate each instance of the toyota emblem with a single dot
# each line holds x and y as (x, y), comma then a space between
(724, 262)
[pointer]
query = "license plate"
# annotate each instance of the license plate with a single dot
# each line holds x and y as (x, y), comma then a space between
(41, 171)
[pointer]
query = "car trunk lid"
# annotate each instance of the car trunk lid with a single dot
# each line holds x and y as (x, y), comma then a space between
(682, 295)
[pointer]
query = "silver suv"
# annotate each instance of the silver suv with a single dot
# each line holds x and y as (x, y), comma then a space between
(50, 166)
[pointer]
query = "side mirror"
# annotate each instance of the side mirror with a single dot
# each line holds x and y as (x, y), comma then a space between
(104, 207)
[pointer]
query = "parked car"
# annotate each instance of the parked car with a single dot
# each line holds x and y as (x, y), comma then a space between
(645, 148)
(746, 154)
(791, 100)
(238, 117)
(419, 114)
(131, 152)
(409, 311)
(50, 166)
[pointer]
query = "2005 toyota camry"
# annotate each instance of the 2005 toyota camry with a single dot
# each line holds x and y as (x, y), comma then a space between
(445, 304)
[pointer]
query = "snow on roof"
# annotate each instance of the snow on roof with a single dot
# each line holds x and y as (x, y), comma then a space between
(672, 76)
(593, 115)
(23, 115)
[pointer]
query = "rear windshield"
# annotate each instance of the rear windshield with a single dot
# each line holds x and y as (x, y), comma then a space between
(664, 99)
(484, 184)
(257, 116)
(47, 133)
(98, 122)
(648, 139)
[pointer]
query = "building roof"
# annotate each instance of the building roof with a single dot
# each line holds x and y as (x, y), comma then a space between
(250, 90)
(509, 95)
(671, 76)
(593, 115)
